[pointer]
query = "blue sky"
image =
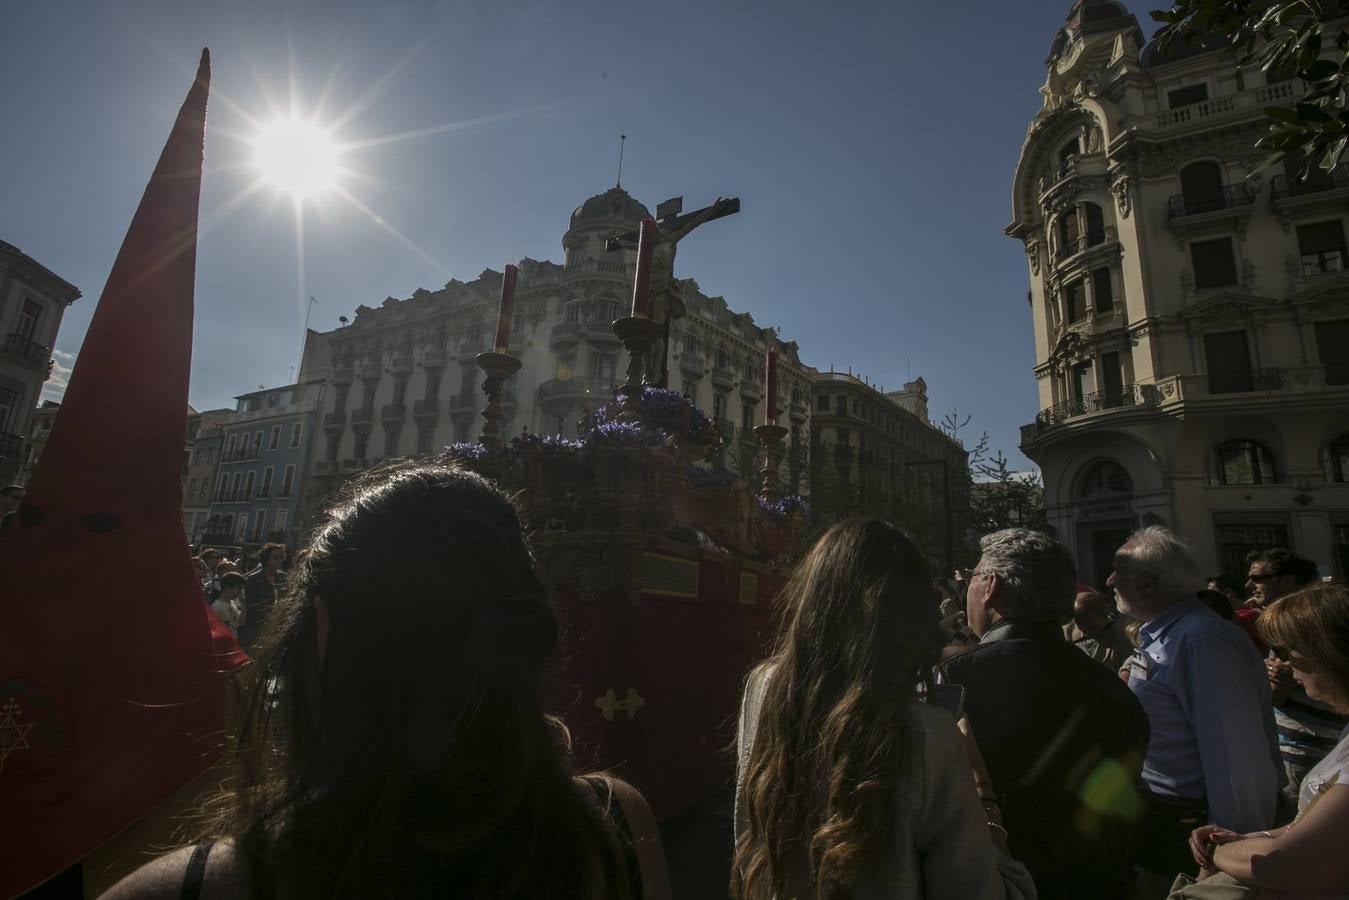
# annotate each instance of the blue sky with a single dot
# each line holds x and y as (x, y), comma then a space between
(872, 145)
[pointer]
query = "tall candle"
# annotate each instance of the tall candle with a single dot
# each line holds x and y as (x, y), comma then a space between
(771, 387)
(641, 284)
(504, 309)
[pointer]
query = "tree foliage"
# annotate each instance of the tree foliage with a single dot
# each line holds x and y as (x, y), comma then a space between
(1285, 36)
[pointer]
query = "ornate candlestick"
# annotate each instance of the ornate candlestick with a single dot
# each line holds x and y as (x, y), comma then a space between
(497, 367)
(637, 334)
(771, 437)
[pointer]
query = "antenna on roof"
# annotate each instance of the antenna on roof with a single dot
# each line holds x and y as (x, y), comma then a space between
(622, 139)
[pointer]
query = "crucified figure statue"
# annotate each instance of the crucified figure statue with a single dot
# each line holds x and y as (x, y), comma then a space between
(666, 305)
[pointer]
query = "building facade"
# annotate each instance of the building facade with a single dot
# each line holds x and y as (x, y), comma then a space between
(1191, 314)
(876, 453)
(402, 378)
(32, 301)
(263, 460)
(202, 456)
(38, 431)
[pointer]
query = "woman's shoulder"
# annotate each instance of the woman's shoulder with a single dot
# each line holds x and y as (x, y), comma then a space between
(214, 866)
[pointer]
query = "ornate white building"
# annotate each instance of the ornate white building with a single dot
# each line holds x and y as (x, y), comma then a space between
(1191, 316)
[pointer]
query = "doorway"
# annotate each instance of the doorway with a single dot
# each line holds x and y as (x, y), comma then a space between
(1102, 543)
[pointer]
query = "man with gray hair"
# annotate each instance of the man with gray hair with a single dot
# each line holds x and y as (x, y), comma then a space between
(1050, 723)
(1213, 756)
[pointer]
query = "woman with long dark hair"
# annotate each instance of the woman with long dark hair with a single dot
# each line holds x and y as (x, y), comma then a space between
(849, 787)
(401, 748)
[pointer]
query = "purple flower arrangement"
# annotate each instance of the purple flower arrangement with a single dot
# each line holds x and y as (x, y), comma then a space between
(785, 506)
(464, 450)
(613, 433)
(675, 414)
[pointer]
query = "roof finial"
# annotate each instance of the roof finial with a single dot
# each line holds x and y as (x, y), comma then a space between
(622, 139)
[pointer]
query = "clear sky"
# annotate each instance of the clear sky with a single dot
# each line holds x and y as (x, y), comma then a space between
(872, 145)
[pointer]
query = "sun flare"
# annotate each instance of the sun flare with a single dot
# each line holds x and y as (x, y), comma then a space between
(296, 156)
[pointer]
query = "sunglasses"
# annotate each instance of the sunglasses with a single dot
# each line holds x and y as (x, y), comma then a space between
(1262, 578)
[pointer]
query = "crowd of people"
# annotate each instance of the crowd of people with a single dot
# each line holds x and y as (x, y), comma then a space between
(1046, 738)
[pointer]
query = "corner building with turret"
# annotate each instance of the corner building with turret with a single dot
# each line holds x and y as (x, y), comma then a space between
(1191, 315)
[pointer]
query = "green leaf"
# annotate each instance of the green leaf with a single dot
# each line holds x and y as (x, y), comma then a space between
(1322, 68)
(1283, 114)
(1308, 112)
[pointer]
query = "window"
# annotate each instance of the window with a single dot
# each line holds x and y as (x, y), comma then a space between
(266, 489)
(368, 397)
(750, 374)
(259, 526)
(1112, 380)
(1229, 362)
(1201, 186)
(1337, 460)
(1075, 300)
(279, 524)
(391, 441)
(1095, 224)
(257, 443)
(340, 403)
(1102, 292)
(602, 366)
(330, 452)
(718, 406)
(747, 418)
(229, 447)
(210, 457)
(1194, 93)
(432, 386)
(1070, 234)
(221, 487)
(248, 487)
(691, 344)
(29, 315)
(722, 360)
(1069, 150)
(518, 325)
(1236, 539)
(243, 528)
(361, 445)
(1321, 246)
(237, 487)
(822, 403)
(400, 390)
(606, 312)
(566, 368)
(572, 312)
(1332, 343)
(287, 481)
(425, 435)
(474, 337)
(841, 405)
(296, 430)
(1243, 461)
(1214, 264)
(276, 438)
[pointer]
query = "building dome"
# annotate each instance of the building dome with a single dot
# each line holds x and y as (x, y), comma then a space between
(1093, 17)
(614, 203)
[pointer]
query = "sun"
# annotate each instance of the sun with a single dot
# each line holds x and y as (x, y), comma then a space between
(297, 156)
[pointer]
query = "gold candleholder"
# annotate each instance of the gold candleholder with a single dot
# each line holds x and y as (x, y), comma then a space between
(637, 333)
(771, 437)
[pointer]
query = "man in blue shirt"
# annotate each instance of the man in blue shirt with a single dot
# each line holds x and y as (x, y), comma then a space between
(1213, 755)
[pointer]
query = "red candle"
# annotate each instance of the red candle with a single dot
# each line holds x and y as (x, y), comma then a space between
(770, 413)
(504, 310)
(641, 285)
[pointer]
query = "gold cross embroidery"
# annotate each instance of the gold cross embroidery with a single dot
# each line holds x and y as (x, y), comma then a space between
(610, 704)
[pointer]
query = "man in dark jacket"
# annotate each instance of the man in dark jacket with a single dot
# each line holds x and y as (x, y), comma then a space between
(265, 583)
(1063, 737)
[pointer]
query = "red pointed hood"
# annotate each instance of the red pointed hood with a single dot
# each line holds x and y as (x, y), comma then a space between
(110, 684)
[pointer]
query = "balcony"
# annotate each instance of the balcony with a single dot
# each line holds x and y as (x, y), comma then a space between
(596, 390)
(727, 429)
(1323, 263)
(1072, 167)
(466, 401)
(1079, 243)
(566, 333)
(1131, 396)
(1232, 196)
(355, 465)
(435, 358)
(29, 352)
(692, 365)
(426, 409)
(516, 342)
(1284, 187)
(722, 377)
(1250, 103)
(1246, 382)
(362, 416)
(401, 363)
(325, 466)
(337, 420)
(751, 388)
(798, 411)
(592, 266)
(343, 372)
(393, 411)
(11, 445)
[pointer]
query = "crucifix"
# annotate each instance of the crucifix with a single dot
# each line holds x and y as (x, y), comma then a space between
(665, 303)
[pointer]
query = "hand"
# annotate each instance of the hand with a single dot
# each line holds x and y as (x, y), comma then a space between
(1281, 680)
(1203, 836)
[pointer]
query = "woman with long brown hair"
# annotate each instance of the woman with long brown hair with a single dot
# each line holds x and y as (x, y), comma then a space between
(849, 786)
(401, 748)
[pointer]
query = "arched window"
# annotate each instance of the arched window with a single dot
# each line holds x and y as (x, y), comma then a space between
(1070, 236)
(1069, 150)
(1095, 224)
(1243, 461)
(1201, 184)
(1105, 478)
(1337, 460)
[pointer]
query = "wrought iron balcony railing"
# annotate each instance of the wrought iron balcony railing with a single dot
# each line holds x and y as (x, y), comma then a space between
(26, 350)
(1127, 397)
(1282, 187)
(1232, 196)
